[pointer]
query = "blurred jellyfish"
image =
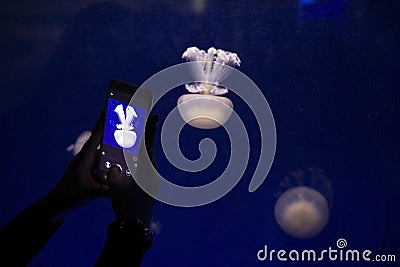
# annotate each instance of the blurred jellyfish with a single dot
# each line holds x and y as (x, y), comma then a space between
(204, 108)
(80, 141)
(155, 226)
(302, 209)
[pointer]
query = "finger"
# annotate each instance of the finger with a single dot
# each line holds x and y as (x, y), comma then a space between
(119, 184)
(102, 189)
(152, 122)
(94, 140)
(113, 175)
(151, 131)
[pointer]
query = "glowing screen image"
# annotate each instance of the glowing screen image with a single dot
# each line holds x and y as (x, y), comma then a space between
(124, 126)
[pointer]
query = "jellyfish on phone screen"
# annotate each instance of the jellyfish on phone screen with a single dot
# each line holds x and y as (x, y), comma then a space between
(205, 108)
(304, 200)
(125, 135)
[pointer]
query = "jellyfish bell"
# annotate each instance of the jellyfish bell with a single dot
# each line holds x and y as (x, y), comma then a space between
(302, 212)
(204, 111)
(303, 204)
(125, 138)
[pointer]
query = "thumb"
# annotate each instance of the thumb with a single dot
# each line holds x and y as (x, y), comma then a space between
(116, 181)
(114, 173)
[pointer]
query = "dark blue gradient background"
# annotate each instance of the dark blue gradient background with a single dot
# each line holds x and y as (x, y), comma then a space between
(329, 70)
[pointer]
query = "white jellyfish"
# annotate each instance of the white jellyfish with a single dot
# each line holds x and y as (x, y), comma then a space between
(204, 108)
(80, 141)
(125, 136)
(302, 211)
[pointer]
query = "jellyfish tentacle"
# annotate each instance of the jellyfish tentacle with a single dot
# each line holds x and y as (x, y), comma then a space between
(121, 114)
(210, 69)
(130, 116)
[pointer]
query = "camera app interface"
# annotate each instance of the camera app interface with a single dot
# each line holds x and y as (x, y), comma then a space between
(124, 126)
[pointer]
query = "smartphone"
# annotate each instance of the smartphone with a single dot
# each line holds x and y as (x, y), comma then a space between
(124, 126)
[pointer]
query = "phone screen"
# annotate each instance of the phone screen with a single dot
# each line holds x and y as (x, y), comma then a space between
(124, 127)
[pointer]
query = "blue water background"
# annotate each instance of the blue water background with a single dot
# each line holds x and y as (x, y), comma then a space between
(329, 70)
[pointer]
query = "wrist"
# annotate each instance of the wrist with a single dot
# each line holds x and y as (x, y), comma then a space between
(51, 208)
(128, 231)
(56, 205)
